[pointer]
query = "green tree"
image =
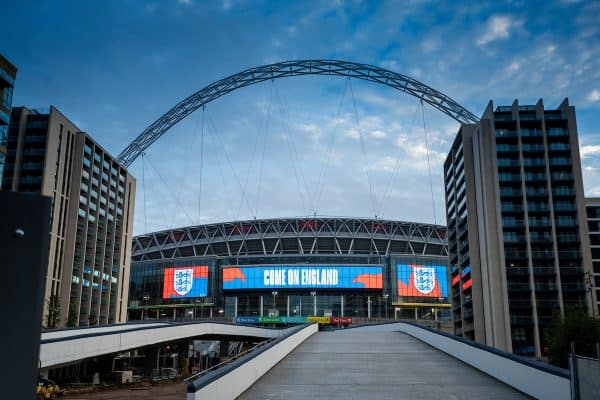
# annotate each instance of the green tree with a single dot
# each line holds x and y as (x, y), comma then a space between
(575, 327)
(72, 319)
(53, 316)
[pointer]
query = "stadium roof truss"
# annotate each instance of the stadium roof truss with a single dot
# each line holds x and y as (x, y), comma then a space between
(295, 236)
(263, 73)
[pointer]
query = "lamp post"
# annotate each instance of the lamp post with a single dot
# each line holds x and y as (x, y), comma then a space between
(145, 298)
(385, 296)
(314, 296)
(274, 293)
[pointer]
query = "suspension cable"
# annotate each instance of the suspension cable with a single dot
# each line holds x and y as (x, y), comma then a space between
(168, 189)
(228, 159)
(428, 163)
(320, 185)
(144, 193)
(201, 165)
(396, 167)
(262, 160)
(298, 172)
(364, 151)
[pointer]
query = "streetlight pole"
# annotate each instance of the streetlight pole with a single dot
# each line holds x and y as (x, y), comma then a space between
(274, 293)
(385, 296)
(314, 296)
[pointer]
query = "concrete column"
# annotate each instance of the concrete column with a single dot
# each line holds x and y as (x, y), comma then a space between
(142, 315)
(416, 316)
(341, 305)
(235, 307)
(435, 310)
(174, 313)
(369, 307)
(300, 311)
(288, 306)
(315, 306)
(157, 313)
(261, 306)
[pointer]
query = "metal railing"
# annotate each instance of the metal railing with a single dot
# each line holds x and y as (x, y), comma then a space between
(227, 361)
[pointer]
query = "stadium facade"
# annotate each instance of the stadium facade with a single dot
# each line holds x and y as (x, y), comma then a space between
(294, 267)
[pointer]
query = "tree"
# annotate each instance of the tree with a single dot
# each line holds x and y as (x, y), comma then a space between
(53, 315)
(575, 327)
(72, 319)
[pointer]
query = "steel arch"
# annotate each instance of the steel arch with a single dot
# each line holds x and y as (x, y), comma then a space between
(284, 69)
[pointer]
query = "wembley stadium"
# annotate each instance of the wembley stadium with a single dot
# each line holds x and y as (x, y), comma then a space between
(291, 268)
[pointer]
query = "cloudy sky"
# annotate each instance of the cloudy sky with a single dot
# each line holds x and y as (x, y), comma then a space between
(303, 145)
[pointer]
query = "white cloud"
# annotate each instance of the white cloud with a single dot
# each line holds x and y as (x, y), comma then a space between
(593, 96)
(498, 27)
(590, 150)
(377, 134)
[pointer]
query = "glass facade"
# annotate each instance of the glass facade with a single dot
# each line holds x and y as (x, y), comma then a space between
(287, 286)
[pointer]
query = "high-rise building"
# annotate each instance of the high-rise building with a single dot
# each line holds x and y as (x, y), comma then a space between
(592, 204)
(8, 73)
(518, 240)
(92, 215)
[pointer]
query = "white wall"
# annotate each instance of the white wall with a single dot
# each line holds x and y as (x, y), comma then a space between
(527, 379)
(57, 353)
(234, 383)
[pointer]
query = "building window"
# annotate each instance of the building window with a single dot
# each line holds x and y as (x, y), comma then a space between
(81, 213)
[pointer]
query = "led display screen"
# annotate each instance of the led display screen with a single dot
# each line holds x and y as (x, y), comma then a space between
(181, 282)
(419, 280)
(303, 277)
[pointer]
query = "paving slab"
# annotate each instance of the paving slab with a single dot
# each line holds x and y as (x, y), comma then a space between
(374, 364)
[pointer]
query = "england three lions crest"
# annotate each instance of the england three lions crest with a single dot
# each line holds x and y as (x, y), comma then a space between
(183, 280)
(424, 279)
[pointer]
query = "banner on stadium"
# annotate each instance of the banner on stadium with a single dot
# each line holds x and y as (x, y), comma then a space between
(182, 282)
(302, 277)
(418, 280)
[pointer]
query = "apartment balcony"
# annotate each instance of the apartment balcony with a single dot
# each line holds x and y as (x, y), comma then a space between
(536, 192)
(512, 207)
(547, 304)
(508, 163)
(521, 320)
(513, 223)
(573, 287)
(505, 133)
(507, 148)
(534, 162)
(515, 254)
(569, 254)
(558, 147)
(533, 177)
(571, 271)
(517, 271)
(568, 207)
(544, 271)
(519, 287)
(532, 148)
(564, 192)
(562, 176)
(530, 132)
(542, 254)
(519, 303)
(545, 287)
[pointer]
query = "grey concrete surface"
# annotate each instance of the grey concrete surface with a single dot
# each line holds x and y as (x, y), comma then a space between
(374, 364)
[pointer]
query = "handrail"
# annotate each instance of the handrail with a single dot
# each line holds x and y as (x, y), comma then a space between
(223, 363)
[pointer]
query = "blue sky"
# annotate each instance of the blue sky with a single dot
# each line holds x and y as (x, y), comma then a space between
(114, 67)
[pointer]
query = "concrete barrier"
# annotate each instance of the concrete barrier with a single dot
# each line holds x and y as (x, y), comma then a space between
(234, 379)
(533, 378)
(75, 345)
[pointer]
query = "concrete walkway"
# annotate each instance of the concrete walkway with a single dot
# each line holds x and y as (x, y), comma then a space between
(374, 363)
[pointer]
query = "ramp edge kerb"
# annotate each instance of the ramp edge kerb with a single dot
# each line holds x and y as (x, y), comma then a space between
(202, 382)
